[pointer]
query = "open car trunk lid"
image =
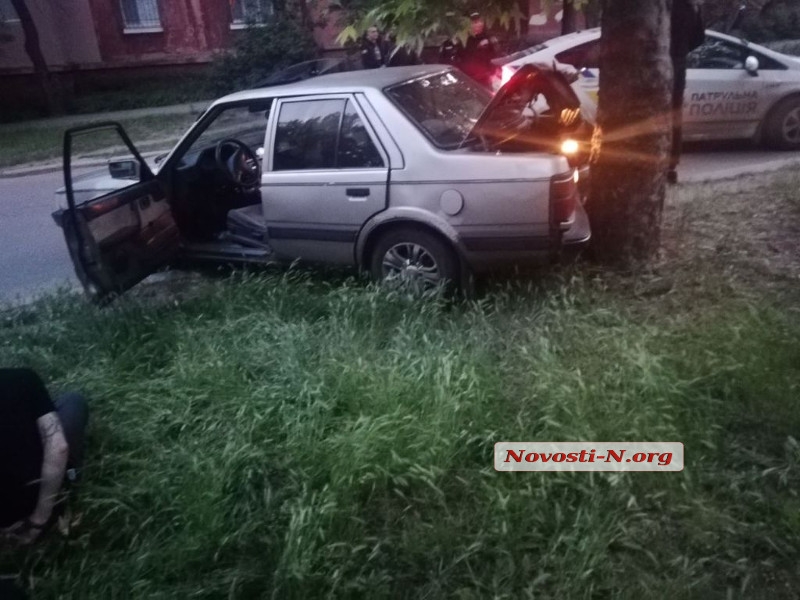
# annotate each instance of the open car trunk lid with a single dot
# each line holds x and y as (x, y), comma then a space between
(533, 99)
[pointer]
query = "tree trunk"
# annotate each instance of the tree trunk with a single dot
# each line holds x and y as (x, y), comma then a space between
(591, 12)
(525, 9)
(305, 15)
(34, 51)
(569, 18)
(632, 140)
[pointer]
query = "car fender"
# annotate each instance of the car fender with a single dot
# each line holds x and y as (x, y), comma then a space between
(405, 215)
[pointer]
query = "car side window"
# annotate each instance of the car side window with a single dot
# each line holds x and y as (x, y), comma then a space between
(717, 54)
(306, 136)
(356, 149)
(585, 56)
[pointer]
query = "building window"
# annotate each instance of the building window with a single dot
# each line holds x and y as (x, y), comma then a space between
(7, 12)
(247, 12)
(140, 16)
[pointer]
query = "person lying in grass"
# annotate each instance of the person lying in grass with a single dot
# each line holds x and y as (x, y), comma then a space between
(40, 443)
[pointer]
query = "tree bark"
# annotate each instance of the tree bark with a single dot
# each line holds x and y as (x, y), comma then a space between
(632, 140)
(569, 18)
(525, 9)
(591, 12)
(34, 51)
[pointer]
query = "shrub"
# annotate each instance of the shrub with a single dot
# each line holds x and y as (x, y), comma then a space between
(260, 50)
(778, 20)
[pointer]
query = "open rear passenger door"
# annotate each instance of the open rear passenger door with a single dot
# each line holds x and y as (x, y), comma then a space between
(117, 221)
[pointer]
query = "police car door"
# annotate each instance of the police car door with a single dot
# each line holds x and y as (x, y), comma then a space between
(586, 59)
(722, 99)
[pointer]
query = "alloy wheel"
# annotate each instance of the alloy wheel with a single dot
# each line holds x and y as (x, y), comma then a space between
(411, 266)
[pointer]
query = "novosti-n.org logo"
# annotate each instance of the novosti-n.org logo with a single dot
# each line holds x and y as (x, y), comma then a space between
(588, 456)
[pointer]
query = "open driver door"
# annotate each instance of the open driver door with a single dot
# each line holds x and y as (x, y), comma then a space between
(117, 222)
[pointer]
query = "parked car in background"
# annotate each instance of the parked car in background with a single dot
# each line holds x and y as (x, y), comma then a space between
(308, 69)
(414, 174)
(734, 89)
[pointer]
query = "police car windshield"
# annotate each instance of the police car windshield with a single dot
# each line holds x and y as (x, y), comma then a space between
(444, 106)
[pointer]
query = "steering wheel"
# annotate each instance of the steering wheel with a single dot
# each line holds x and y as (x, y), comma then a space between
(239, 166)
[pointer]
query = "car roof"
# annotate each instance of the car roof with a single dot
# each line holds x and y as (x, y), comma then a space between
(570, 40)
(346, 82)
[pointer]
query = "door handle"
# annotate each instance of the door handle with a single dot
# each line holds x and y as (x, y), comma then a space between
(357, 192)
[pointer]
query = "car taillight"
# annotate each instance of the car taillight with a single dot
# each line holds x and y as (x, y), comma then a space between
(564, 195)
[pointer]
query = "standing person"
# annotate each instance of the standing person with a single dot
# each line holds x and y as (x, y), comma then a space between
(373, 49)
(40, 443)
(451, 52)
(399, 55)
(687, 33)
(479, 52)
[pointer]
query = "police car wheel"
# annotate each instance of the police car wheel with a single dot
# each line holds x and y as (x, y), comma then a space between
(782, 128)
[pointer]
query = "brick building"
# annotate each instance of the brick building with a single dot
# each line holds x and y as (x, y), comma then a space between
(91, 34)
(90, 40)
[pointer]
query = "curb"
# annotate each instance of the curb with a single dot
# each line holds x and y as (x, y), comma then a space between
(736, 172)
(13, 172)
(134, 113)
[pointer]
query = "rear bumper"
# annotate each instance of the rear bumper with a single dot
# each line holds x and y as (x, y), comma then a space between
(500, 253)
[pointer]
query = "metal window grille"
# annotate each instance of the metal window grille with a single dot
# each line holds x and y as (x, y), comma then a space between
(140, 14)
(250, 11)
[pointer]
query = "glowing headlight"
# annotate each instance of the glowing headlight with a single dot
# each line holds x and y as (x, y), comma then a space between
(569, 147)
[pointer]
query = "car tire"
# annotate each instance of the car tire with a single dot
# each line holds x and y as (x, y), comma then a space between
(415, 261)
(782, 127)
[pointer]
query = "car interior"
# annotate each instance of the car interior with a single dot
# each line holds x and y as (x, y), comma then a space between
(216, 182)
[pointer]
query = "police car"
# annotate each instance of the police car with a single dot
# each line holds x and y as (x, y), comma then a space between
(734, 89)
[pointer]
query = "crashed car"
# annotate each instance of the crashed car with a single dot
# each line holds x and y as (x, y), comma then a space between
(414, 174)
(734, 89)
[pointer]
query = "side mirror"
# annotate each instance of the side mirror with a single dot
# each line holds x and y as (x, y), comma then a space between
(751, 65)
(124, 168)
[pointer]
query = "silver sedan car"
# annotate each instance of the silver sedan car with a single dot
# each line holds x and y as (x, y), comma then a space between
(734, 89)
(414, 174)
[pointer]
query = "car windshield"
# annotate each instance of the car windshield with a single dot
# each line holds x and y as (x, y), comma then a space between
(445, 106)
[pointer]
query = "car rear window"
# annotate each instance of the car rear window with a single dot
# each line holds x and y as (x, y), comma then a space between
(444, 106)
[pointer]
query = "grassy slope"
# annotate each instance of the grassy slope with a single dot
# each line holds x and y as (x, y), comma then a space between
(280, 436)
(45, 144)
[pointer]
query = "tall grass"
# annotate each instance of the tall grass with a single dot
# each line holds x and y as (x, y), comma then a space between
(271, 436)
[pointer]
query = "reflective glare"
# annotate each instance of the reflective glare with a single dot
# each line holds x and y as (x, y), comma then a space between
(569, 147)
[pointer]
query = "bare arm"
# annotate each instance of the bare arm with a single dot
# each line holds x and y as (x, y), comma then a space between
(54, 464)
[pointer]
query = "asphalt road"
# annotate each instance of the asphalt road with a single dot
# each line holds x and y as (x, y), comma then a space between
(35, 259)
(34, 255)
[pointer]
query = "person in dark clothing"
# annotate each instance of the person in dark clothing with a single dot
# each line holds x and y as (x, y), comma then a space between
(399, 55)
(479, 52)
(451, 52)
(40, 443)
(373, 49)
(687, 33)
(10, 591)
